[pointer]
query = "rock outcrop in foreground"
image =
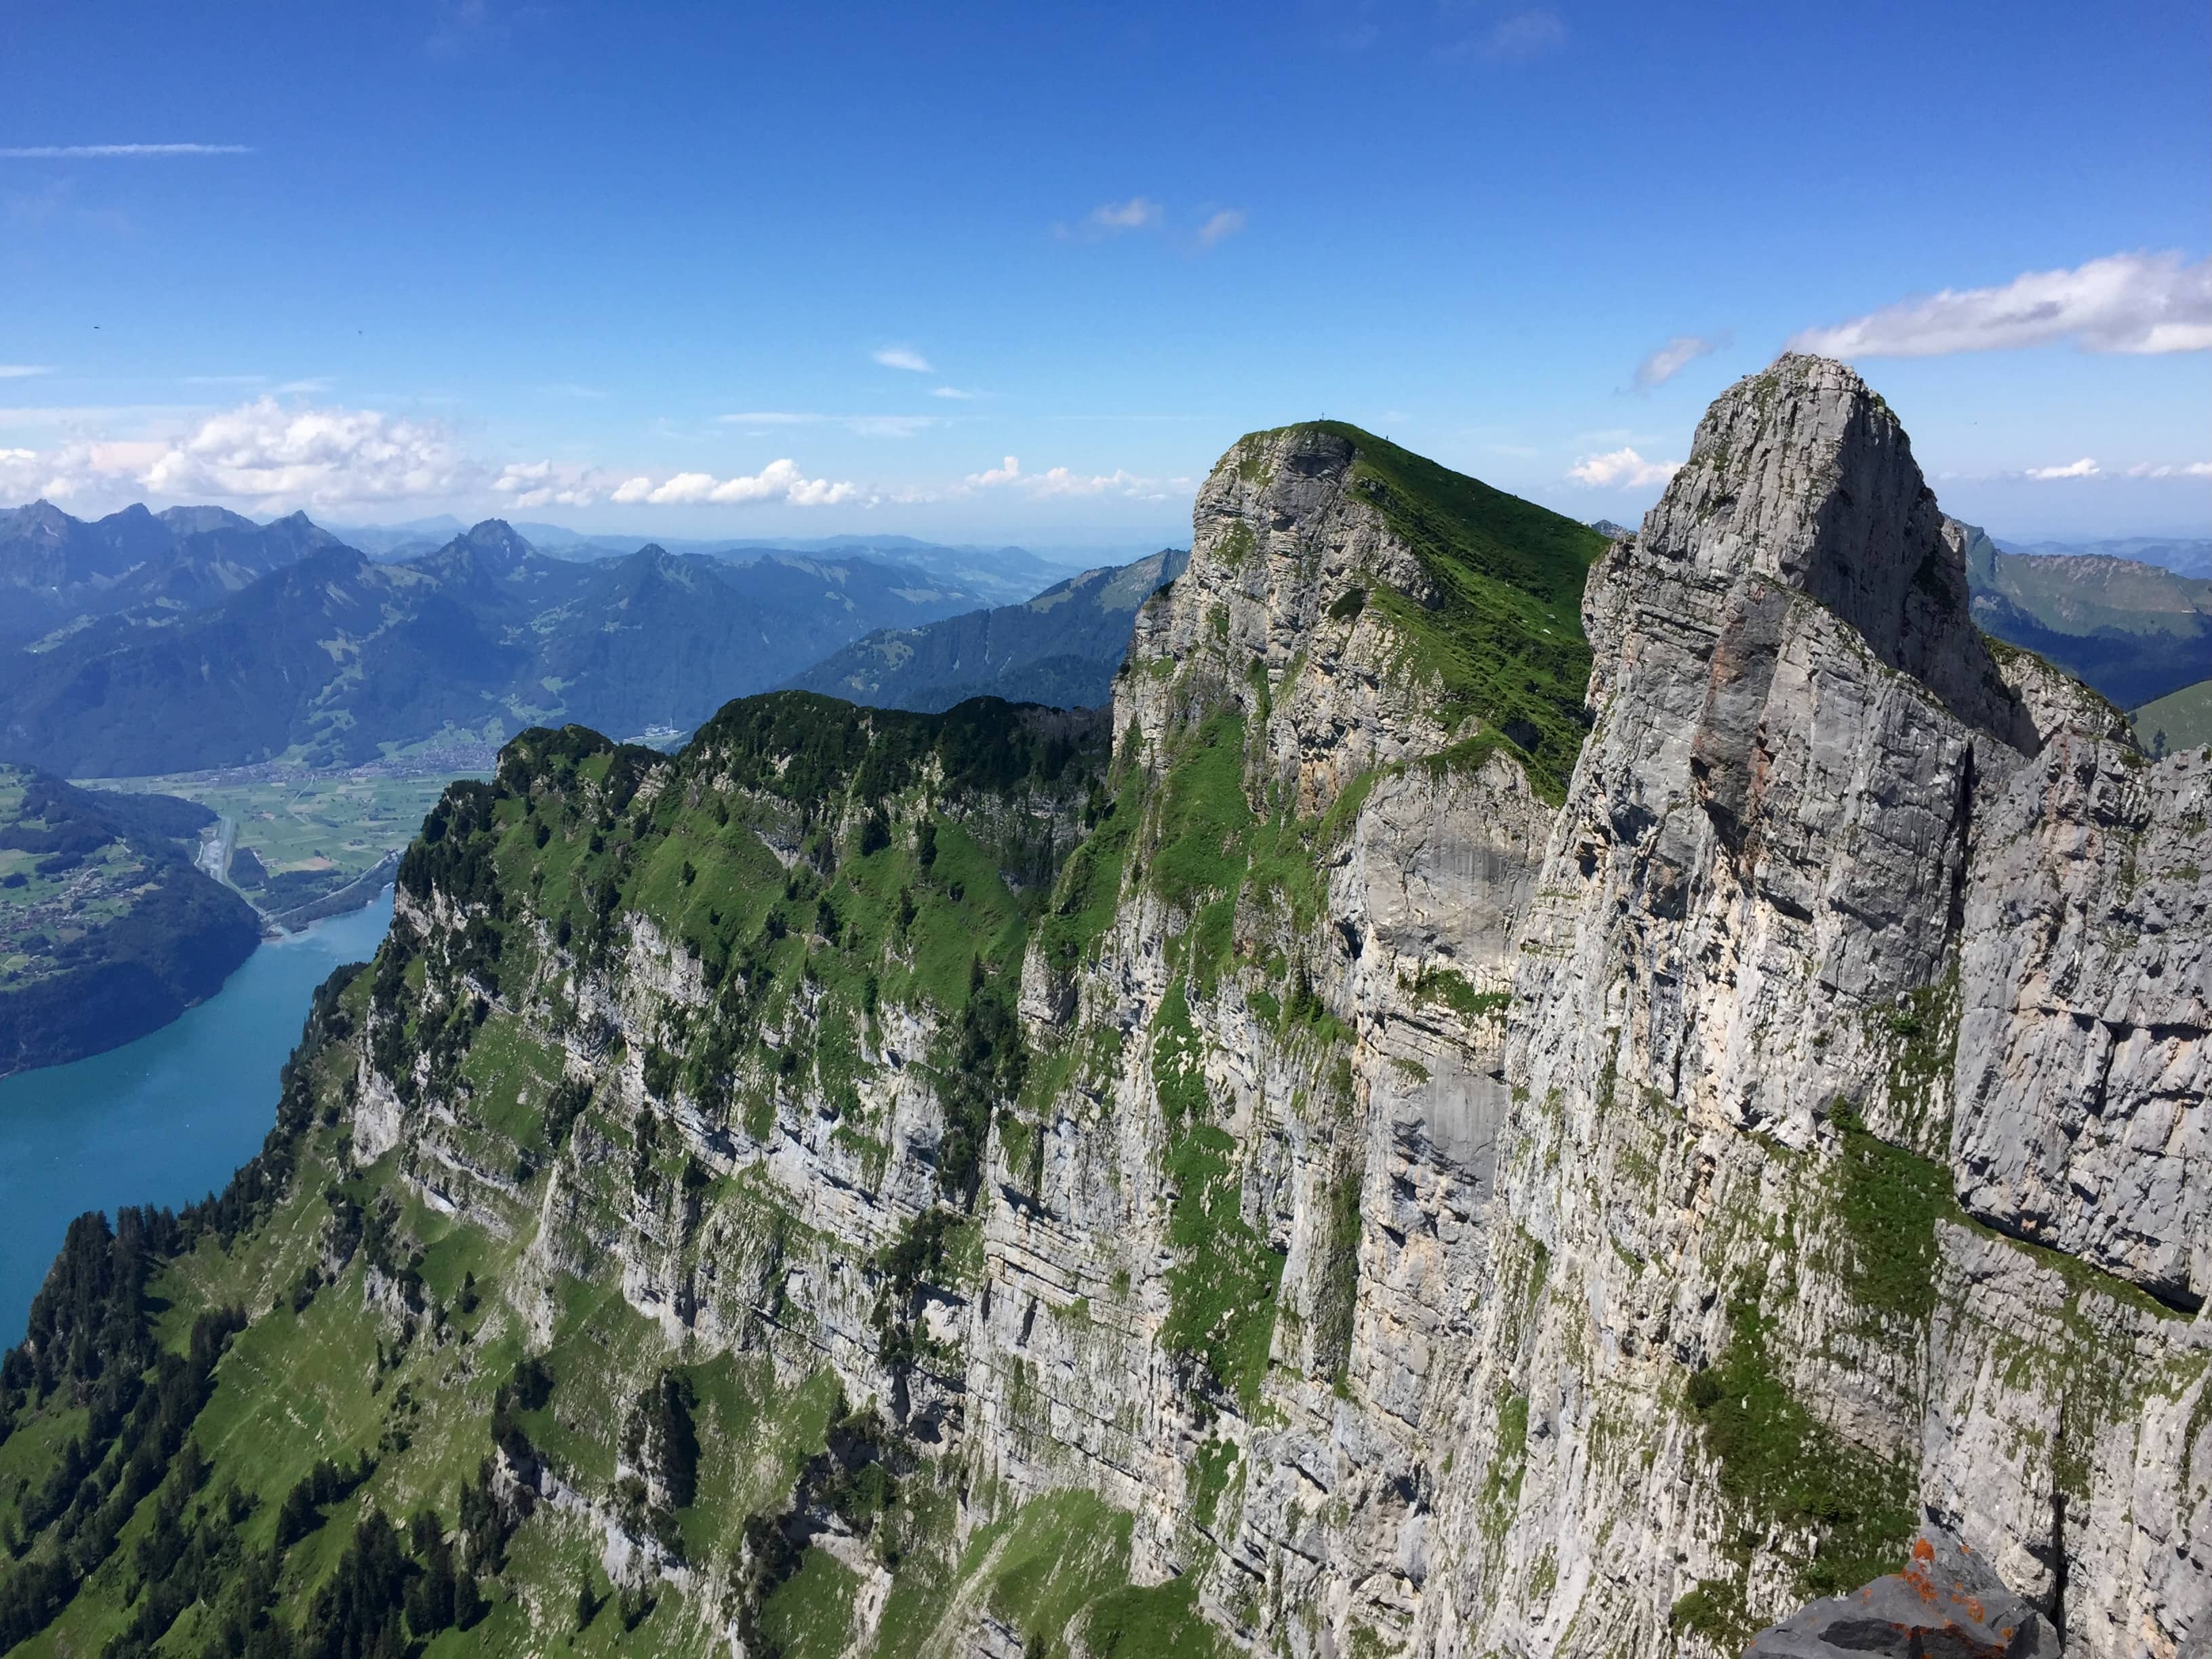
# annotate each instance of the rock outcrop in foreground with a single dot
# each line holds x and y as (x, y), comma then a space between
(1523, 1097)
(1945, 1602)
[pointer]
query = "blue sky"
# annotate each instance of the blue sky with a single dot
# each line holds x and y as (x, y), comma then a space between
(696, 271)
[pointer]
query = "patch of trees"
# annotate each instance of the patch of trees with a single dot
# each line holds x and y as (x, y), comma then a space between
(453, 853)
(137, 1431)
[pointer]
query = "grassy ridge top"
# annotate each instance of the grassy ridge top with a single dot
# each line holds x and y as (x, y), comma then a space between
(1505, 632)
(1462, 527)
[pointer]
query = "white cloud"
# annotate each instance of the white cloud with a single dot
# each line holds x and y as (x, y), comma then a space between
(771, 417)
(1111, 218)
(2188, 470)
(109, 152)
(899, 356)
(273, 457)
(549, 483)
(25, 474)
(1061, 481)
(1622, 469)
(1671, 359)
(779, 481)
(2084, 468)
(1221, 226)
(956, 393)
(22, 371)
(277, 457)
(2128, 302)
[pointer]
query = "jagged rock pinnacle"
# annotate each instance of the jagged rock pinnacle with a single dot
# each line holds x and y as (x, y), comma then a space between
(1801, 474)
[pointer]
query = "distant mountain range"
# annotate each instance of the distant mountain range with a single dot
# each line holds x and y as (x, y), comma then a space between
(1061, 647)
(332, 657)
(56, 571)
(2134, 630)
(1001, 574)
(2182, 554)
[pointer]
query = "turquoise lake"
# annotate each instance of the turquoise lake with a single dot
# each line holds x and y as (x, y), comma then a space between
(164, 1120)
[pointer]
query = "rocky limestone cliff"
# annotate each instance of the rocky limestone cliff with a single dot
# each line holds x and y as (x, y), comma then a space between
(1521, 1097)
(1455, 1223)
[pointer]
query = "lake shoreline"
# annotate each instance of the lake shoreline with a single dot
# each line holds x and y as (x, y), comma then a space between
(165, 1119)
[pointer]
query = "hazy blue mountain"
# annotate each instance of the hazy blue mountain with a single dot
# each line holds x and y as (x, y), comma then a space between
(400, 541)
(57, 570)
(1061, 647)
(335, 655)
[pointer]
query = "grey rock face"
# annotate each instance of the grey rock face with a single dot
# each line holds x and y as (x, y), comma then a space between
(1804, 475)
(2080, 1119)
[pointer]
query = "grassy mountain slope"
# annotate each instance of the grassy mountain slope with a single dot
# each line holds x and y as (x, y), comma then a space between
(108, 932)
(1061, 649)
(2180, 720)
(1504, 633)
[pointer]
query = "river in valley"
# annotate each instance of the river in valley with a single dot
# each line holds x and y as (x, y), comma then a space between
(164, 1120)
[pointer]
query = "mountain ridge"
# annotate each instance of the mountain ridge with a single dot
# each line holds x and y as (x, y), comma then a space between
(1062, 647)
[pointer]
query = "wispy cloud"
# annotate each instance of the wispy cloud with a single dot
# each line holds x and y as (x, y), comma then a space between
(571, 389)
(115, 152)
(901, 357)
(1135, 214)
(2136, 303)
(956, 393)
(1221, 226)
(888, 425)
(1677, 354)
(764, 417)
(22, 371)
(779, 481)
(2186, 470)
(1111, 219)
(2084, 468)
(1621, 469)
(1513, 39)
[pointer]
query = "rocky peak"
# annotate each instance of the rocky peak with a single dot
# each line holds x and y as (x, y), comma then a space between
(1359, 601)
(1801, 475)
